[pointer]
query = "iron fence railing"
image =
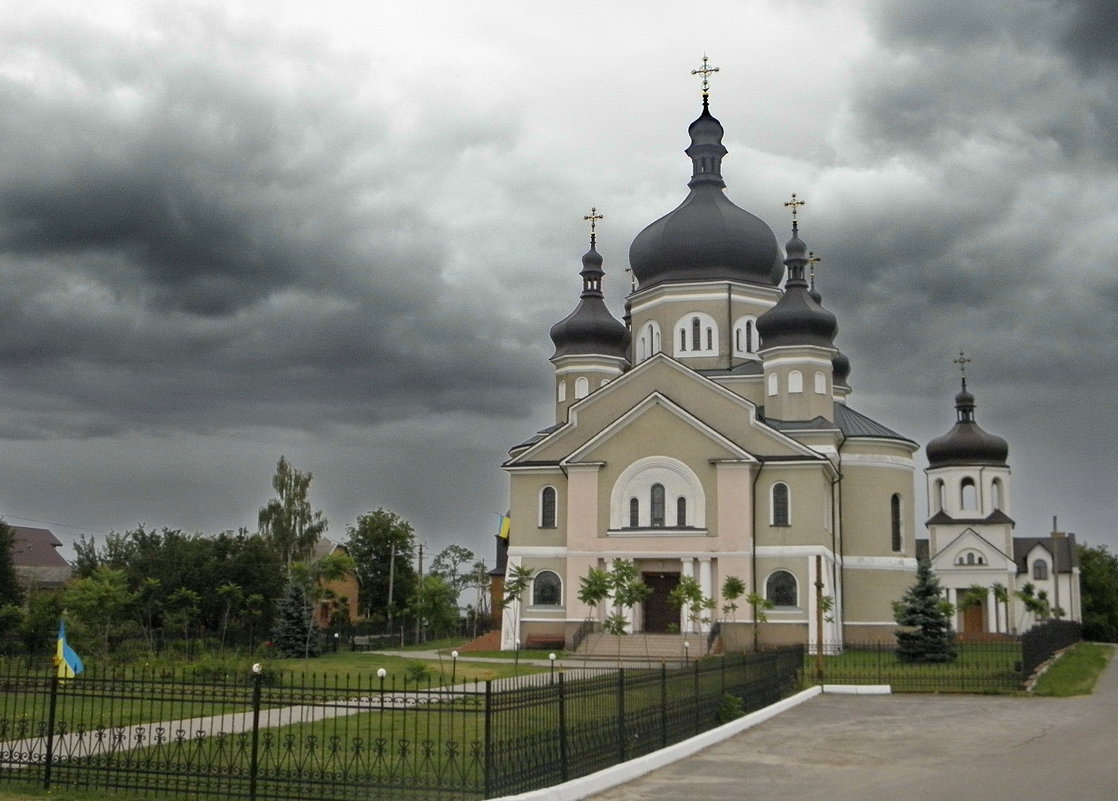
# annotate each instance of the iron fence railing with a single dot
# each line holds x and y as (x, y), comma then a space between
(280, 736)
(1042, 641)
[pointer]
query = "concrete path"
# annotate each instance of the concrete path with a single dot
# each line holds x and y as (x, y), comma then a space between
(911, 747)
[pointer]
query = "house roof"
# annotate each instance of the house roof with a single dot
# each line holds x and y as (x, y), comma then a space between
(36, 547)
(1065, 556)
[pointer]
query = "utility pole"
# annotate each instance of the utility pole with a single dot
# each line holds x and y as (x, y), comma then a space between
(419, 588)
(391, 582)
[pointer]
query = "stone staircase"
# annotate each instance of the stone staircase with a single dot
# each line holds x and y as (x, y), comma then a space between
(650, 647)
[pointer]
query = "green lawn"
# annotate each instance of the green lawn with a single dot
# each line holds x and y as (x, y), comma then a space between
(1076, 671)
(979, 667)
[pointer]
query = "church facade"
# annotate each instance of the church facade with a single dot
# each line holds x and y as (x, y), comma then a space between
(708, 434)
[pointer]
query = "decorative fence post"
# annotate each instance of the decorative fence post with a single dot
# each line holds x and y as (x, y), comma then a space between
(488, 766)
(254, 761)
(50, 728)
(563, 754)
(663, 705)
(621, 715)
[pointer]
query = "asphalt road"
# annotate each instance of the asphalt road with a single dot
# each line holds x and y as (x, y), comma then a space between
(911, 748)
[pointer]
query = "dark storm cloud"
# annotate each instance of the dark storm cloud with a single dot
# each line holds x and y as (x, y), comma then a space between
(202, 232)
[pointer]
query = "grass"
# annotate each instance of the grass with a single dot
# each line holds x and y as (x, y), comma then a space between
(979, 667)
(1075, 672)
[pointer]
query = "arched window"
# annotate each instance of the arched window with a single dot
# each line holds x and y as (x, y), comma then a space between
(547, 589)
(737, 340)
(820, 383)
(781, 589)
(710, 339)
(677, 481)
(939, 491)
(683, 339)
(695, 341)
(681, 511)
(968, 494)
(697, 335)
(749, 336)
(1040, 570)
(582, 387)
(997, 494)
(970, 558)
(781, 505)
(562, 390)
(895, 521)
(657, 505)
(795, 381)
(547, 507)
(773, 384)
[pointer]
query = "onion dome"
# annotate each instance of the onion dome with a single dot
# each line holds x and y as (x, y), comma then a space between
(966, 443)
(590, 328)
(707, 237)
(840, 365)
(797, 318)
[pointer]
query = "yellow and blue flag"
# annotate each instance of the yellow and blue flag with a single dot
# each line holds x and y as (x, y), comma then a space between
(66, 659)
(504, 526)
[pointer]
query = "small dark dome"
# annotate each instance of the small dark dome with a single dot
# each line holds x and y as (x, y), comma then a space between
(797, 318)
(840, 364)
(706, 237)
(966, 443)
(590, 328)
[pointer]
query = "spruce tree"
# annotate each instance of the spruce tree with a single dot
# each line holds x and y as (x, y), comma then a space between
(295, 634)
(929, 636)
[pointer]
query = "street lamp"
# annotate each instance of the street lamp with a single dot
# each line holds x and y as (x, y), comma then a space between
(686, 652)
(381, 673)
(453, 666)
(551, 656)
(516, 659)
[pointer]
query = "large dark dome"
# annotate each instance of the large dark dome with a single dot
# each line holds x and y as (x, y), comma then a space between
(797, 318)
(707, 236)
(966, 443)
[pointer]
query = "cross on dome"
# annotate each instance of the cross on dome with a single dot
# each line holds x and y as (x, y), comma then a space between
(812, 260)
(795, 204)
(593, 217)
(706, 71)
(962, 361)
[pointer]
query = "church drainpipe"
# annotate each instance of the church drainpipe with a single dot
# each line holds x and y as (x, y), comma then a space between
(729, 329)
(753, 549)
(836, 534)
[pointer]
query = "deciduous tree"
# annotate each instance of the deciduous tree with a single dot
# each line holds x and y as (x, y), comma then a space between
(382, 545)
(289, 523)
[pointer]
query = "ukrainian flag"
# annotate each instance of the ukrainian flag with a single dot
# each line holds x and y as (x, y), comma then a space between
(504, 526)
(67, 661)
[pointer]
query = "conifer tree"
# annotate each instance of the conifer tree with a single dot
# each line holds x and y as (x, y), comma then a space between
(928, 636)
(294, 635)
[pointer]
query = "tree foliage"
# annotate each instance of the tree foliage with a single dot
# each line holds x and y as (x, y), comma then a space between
(435, 605)
(1098, 583)
(289, 523)
(928, 636)
(378, 541)
(11, 592)
(158, 564)
(451, 565)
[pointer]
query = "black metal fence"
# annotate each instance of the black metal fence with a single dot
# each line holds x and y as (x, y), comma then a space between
(978, 667)
(273, 736)
(1042, 641)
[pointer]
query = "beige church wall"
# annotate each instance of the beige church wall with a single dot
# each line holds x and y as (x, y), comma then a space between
(809, 503)
(868, 594)
(722, 412)
(866, 634)
(772, 634)
(725, 302)
(867, 491)
(524, 508)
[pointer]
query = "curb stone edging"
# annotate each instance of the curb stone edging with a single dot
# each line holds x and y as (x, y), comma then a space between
(584, 786)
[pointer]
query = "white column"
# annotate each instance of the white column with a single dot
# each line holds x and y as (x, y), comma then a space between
(687, 569)
(705, 584)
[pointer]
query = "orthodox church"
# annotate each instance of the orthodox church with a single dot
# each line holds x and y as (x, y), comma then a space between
(708, 434)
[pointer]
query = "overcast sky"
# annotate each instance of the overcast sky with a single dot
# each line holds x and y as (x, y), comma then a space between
(341, 232)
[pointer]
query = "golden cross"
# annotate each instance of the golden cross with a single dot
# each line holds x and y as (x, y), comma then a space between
(795, 204)
(812, 260)
(706, 71)
(593, 216)
(632, 279)
(962, 361)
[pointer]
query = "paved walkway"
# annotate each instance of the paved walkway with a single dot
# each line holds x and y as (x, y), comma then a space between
(912, 747)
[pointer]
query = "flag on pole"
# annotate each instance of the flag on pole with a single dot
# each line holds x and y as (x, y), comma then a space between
(67, 661)
(504, 526)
